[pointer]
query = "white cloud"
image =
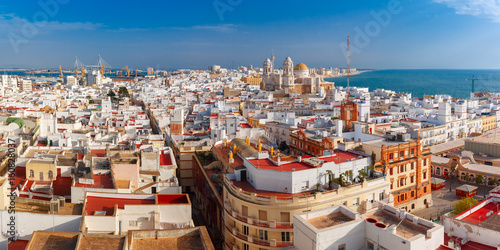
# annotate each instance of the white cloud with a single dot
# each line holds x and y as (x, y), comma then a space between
(224, 28)
(13, 23)
(482, 8)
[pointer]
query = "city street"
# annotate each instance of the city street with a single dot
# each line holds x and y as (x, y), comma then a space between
(443, 199)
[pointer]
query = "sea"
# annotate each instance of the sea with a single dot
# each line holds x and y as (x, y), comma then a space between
(456, 83)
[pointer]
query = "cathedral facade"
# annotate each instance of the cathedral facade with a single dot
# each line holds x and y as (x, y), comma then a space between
(290, 79)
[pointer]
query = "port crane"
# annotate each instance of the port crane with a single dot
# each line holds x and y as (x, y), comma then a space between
(473, 79)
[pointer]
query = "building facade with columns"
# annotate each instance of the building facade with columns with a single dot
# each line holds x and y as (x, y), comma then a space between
(299, 79)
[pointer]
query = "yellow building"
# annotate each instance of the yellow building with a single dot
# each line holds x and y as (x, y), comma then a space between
(252, 80)
(489, 122)
(260, 197)
(41, 169)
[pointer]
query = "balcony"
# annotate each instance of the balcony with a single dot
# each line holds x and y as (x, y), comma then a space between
(255, 222)
(250, 239)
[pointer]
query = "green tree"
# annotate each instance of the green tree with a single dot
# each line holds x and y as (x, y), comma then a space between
(478, 179)
(111, 93)
(493, 182)
(463, 204)
(362, 173)
(283, 147)
(123, 92)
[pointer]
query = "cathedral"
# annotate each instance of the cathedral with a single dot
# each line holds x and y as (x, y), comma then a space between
(298, 79)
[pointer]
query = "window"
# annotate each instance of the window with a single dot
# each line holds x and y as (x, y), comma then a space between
(402, 154)
(425, 175)
(245, 230)
(355, 201)
(401, 182)
(411, 179)
(401, 168)
(425, 162)
(391, 156)
(392, 184)
(412, 151)
(51, 175)
(263, 234)
(342, 247)
(245, 246)
(305, 185)
(412, 194)
(412, 165)
(285, 236)
(425, 189)
(381, 195)
(390, 171)
(32, 173)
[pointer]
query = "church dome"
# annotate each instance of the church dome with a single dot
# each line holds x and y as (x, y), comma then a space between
(300, 66)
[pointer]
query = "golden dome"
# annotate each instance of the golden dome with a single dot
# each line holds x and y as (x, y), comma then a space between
(300, 66)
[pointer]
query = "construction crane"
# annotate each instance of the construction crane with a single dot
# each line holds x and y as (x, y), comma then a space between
(473, 79)
(83, 70)
(121, 72)
(128, 71)
(102, 69)
(60, 70)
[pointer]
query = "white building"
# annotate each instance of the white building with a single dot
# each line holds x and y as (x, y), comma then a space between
(342, 228)
(113, 213)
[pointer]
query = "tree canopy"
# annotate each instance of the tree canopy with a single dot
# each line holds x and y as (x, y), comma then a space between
(463, 204)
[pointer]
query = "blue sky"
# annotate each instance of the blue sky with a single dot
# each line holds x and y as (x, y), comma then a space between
(427, 34)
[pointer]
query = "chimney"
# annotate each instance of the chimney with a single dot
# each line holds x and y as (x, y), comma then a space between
(299, 158)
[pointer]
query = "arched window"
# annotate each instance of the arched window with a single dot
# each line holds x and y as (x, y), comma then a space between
(32, 173)
(438, 171)
(51, 175)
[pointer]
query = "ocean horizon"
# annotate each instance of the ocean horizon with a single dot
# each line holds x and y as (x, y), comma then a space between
(420, 82)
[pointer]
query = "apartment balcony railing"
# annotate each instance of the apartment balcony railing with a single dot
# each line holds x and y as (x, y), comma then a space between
(255, 240)
(258, 223)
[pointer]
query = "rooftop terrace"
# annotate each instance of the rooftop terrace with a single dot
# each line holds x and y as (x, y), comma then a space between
(329, 220)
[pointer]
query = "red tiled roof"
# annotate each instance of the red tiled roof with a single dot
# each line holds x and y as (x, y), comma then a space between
(104, 180)
(165, 160)
(480, 214)
(172, 199)
(62, 185)
(245, 125)
(94, 204)
(99, 152)
(18, 245)
(471, 245)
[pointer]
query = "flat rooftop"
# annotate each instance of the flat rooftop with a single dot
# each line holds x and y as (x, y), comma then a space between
(98, 202)
(100, 242)
(329, 220)
(100, 181)
(188, 238)
(41, 240)
(480, 215)
(492, 137)
(244, 185)
(406, 229)
(337, 158)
